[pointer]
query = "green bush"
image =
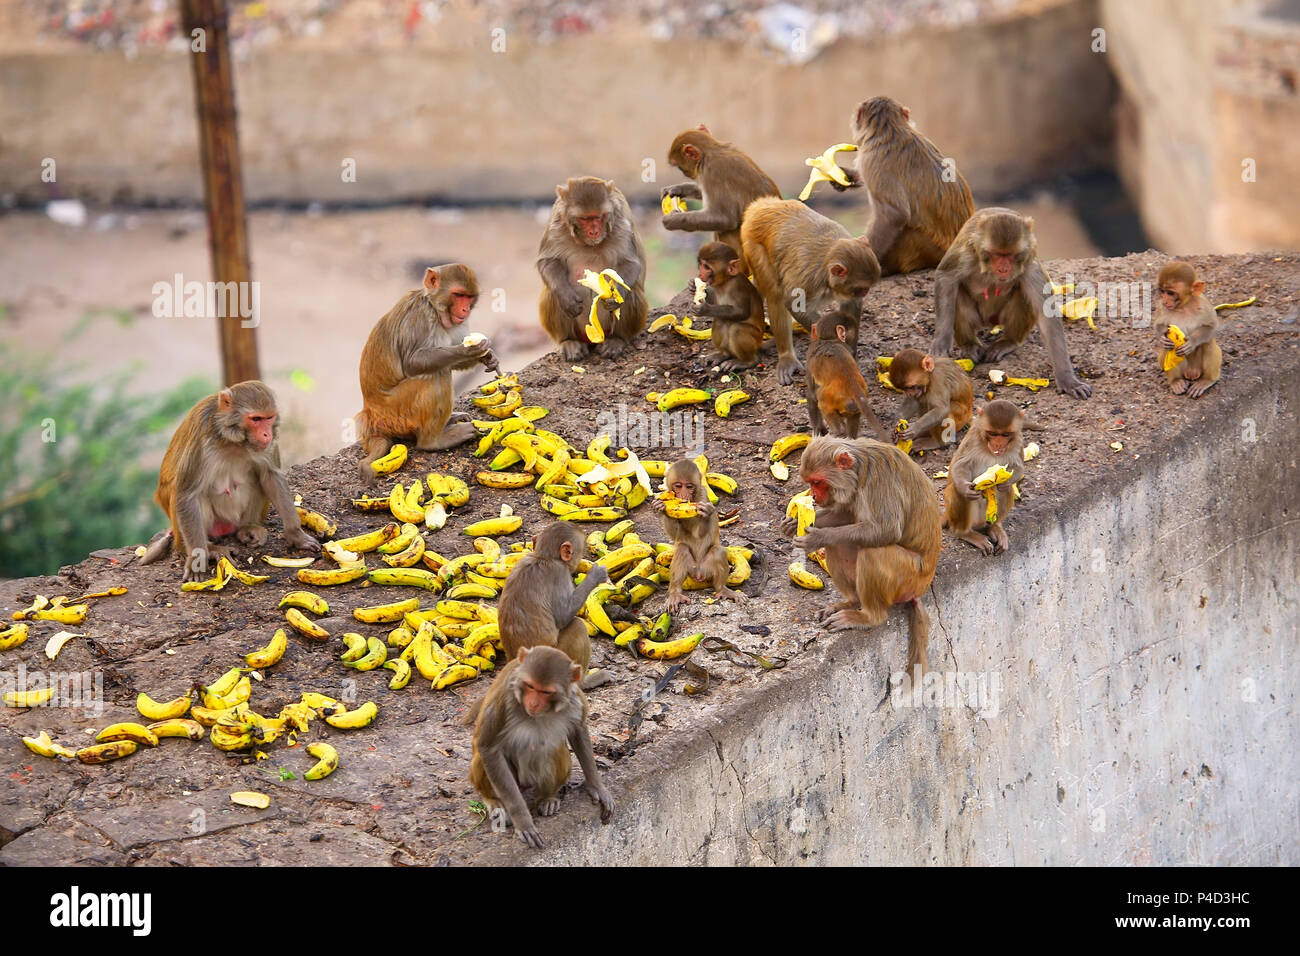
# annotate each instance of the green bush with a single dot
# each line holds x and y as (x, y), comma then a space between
(73, 477)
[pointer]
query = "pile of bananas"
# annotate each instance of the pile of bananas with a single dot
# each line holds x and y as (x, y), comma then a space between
(408, 504)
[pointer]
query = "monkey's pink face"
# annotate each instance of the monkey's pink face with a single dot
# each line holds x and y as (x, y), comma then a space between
(590, 227)
(538, 698)
(998, 441)
(685, 490)
(820, 488)
(260, 429)
(706, 272)
(1004, 265)
(458, 310)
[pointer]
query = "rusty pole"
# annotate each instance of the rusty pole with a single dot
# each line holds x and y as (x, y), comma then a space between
(223, 187)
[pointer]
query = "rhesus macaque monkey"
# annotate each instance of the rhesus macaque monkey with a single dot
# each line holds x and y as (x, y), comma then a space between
(917, 204)
(994, 439)
(878, 519)
(590, 228)
(836, 390)
(723, 177)
(991, 276)
(733, 304)
(1183, 304)
(938, 396)
(407, 363)
(539, 604)
(804, 263)
(220, 476)
(532, 714)
(697, 542)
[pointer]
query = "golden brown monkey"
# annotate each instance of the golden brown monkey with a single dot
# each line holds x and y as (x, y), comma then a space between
(837, 391)
(697, 542)
(407, 363)
(991, 276)
(590, 227)
(532, 714)
(539, 604)
(1182, 303)
(877, 518)
(918, 204)
(938, 397)
(803, 264)
(994, 439)
(220, 476)
(723, 177)
(733, 304)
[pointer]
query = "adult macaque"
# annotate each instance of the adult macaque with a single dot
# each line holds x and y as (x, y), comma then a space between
(994, 439)
(220, 476)
(532, 714)
(590, 228)
(1183, 304)
(917, 204)
(938, 396)
(407, 363)
(733, 304)
(539, 604)
(837, 392)
(877, 518)
(697, 542)
(991, 276)
(804, 264)
(723, 177)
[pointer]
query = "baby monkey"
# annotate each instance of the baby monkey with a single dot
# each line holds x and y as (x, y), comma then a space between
(733, 304)
(994, 439)
(1183, 305)
(697, 541)
(837, 392)
(938, 398)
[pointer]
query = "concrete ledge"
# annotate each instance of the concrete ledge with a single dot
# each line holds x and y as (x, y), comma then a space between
(1144, 652)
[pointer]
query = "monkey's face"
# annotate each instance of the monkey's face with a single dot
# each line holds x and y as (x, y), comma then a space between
(997, 441)
(259, 427)
(820, 488)
(459, 303)
(1173, 295)
(1004, 264)
(706, 272)
(916, 386)
(683, 488)
(537, 697)
(589, 226)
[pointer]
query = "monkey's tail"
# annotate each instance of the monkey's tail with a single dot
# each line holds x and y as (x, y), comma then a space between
(158, 547)
(918, 637)
(471, 715)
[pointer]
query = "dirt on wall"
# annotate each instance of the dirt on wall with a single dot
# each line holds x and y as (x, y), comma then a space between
(400, 794)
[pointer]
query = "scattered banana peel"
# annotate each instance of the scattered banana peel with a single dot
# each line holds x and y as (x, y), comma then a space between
(987, 482)
(1235, 305)
(605, 285)
(1084, 308)
(999, 377)
(1031, 451)
(718, 645)
(55, 643)
(1172, 359)
(825, 169)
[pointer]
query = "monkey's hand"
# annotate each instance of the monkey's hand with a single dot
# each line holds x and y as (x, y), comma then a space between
(573, 299)
(814, 539)
(297, 538)
(478, 350)
(787, 367)
(1073, 385)
(598, 573)
(1187, 348)
(601, 796)
(705, 510)
(968, 490)
(902, 431)
(852, 176)
(1167, 344)
(789, 526)
(658, 505)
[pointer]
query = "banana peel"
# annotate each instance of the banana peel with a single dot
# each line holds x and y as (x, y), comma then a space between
(825, 169)
(605, 284)
(1172, 359)
(987, 482)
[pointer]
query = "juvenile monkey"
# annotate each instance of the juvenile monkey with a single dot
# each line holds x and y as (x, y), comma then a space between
(918, 203)
(723, 177)
(994, 439)
(407, 363)
(938, 396)
(220, 476)
(733, 304)
(877, 518)
(803, 264)
(532, 714)
(539, 604)
(697, 542)
(590, 228)
(837, 391)
(1182, 303)
(990, 276)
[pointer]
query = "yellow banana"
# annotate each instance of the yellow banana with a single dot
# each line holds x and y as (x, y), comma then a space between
(987, 482)
(675, 507)
(387, 613)
(1171, 358)
(43, 745)
(614, 534)
(127, 731)
(405, 577)
(408, 533)
(328, 578)
(469, 590)
(495, 526)
(401, 673)
(801, 576)
(177, 727)
(497, 479)
(825, 169)
(14, 636)
(317, 523)
(681, 396)
(788, 443)
(354, 719)
(305, 626)
(151, 709)
(724, 483)
(454, 674)
(371, 540)
(667, 650)
(394, 460)
(207, 716)
(557, 507)
(366, 503)
(377, 654)
(594, 608)
(103, 753)
(728, 400)
(307, 601)
(224, 740)
(68, 614)
(28, 698)
(327, 760)
(614, 561)
(595, 514)
(356, 645)
(242, 576)
(480, 637)
(671, 204)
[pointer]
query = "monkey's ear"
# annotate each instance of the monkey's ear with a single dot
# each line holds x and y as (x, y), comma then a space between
(844, 461)
(907, 114)
(927, 363)
(431, 278)
(838, 270)
(523, 652)
(733, 268)
(865, 241)
(575, 673)
(225, 399)
(1029, 224)
(566, 551)
(841, 333)
(1198, 287)
(691, 152)
(562, 193)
